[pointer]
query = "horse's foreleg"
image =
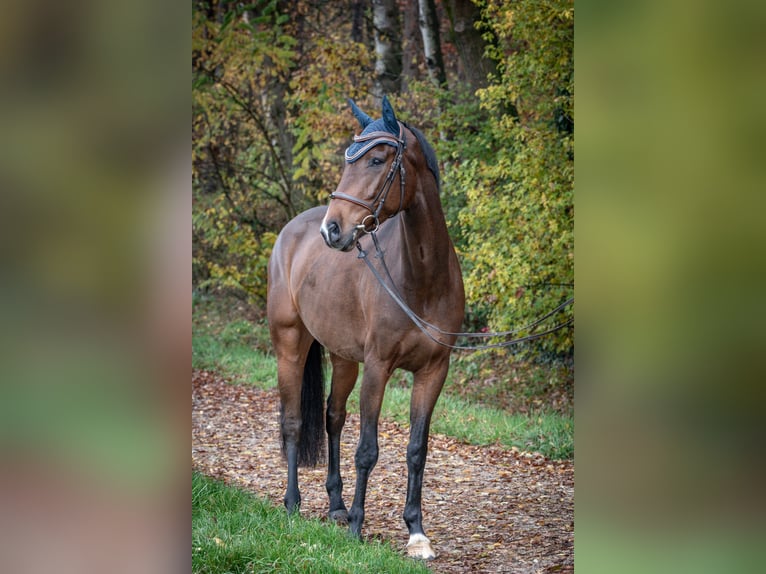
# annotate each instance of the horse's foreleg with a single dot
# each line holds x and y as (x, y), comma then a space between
(344, 375)
(370, 400)
(426, 387)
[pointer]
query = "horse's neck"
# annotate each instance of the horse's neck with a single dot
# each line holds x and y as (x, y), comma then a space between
(425, 240)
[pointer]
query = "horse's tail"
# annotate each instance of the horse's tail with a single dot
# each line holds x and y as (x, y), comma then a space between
(311, 446)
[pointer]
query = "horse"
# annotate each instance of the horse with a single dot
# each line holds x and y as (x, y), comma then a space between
(320, 296)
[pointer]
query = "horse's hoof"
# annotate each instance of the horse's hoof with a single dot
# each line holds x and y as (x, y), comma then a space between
(420, 547)
(339, 516)
(293, 509)
(354, 530)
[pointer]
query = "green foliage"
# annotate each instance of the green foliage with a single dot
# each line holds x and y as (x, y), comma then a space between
(322, 125)
(508, 170)
(518, 219)
(238, 349)
(549, 433)
(268, 121)
(240, 188)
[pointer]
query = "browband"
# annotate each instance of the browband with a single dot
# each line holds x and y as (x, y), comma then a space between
(371, 140)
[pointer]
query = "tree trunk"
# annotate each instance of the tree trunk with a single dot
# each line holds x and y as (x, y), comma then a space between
(474, 66)
(432, 49)
(411, 44)
(357, 20)
(388, 48)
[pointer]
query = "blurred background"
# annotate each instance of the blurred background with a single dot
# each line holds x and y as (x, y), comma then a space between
(94, 312)
(670, 192)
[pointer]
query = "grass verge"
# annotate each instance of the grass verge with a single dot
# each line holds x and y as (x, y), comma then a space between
(234, 531)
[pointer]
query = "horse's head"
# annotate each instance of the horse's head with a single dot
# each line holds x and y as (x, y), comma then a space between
(373, 187)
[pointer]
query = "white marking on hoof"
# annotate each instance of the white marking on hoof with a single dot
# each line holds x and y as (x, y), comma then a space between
(420, 547)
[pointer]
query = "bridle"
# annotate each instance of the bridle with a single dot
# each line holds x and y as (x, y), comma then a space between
(371, 222)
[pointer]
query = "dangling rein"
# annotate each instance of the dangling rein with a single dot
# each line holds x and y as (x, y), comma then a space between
(426, 327)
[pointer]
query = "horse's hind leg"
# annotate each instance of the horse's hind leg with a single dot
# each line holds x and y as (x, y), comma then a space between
(291, 345)
(344, 375)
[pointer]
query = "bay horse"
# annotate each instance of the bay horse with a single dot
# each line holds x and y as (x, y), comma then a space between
(321, 296)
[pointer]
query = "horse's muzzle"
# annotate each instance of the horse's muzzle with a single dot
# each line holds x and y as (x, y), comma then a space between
(333, 237)
(330, 233)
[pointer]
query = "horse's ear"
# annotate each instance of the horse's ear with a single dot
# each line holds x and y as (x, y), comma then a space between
(389, 117)
(363, 118)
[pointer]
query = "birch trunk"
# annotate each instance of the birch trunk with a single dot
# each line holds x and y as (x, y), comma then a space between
(388, 48)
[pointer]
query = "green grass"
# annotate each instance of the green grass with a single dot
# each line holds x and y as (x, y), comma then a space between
(235, 348)
(238, 349)
(234, 531)
(237, 360)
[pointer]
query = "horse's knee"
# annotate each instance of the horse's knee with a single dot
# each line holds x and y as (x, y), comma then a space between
(416, 456)
(290, 427)
(366, 455)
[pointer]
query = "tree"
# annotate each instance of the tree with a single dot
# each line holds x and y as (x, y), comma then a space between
(357, 20)
(388, 48)
(470, 44)
(432, 49)
(412, 45)
(266, 128)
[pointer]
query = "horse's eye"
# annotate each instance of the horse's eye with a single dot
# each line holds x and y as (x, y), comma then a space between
(374, 161)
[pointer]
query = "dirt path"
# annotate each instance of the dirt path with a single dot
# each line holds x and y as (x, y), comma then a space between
(485, 509)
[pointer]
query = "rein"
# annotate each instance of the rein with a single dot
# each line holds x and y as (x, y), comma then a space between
(425, 326)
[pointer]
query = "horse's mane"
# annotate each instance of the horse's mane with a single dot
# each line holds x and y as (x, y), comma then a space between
(429, 152)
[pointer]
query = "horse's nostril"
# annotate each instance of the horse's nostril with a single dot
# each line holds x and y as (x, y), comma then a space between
(330, 231)
(333, 231)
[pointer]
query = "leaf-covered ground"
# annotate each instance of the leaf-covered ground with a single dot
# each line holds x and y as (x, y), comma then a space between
(486, 509)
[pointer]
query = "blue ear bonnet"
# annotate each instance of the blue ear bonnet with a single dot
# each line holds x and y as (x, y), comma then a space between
(386, 130)
(358, 149)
